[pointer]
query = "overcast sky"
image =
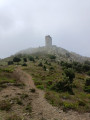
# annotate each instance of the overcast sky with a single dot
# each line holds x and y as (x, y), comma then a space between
(24, 24)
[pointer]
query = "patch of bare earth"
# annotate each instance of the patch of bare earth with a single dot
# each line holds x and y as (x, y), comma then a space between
(41, 109)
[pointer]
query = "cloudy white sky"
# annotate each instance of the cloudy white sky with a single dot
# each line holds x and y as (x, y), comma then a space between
(24, 24)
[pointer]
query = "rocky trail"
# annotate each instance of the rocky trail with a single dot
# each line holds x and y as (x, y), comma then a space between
(41, 109)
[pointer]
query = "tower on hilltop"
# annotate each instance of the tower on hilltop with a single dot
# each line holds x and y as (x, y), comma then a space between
(48, 41)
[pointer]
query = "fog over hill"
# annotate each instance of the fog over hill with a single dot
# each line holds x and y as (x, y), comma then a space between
(61, 53)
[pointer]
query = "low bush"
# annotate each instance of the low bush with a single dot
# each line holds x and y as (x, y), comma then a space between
(63, 86)
(87, 85)
(53, 98)
(8, 70)
(44, 68)
(40, 64)
(87, 82)
(81, 103)
(24, 64)
(51, 68)
(52, 56)
(70, 74)
(5, 105)
(68, 106)
(88, 73)
(10, 62)
(87, 89)
(40, 87)
(25, 59)
(16, 59)
(31, 58)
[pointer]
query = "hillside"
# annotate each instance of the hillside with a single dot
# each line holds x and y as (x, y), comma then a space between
(61, 53)
(39, 87)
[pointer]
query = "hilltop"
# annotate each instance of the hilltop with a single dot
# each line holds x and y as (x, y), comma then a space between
(60, 53)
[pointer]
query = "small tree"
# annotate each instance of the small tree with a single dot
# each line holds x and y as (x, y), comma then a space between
(87, 85)
(69, 73)
(86, 67)
(40, 64)
(44, 68)
(24, 64)
(87, 82)
(16, 59)
(52, 57)
(10, 62)
(31, 58)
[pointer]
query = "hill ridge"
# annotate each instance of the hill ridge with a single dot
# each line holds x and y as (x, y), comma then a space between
(61, 53)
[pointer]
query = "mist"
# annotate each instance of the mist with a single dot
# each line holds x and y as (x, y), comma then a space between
(25, 23)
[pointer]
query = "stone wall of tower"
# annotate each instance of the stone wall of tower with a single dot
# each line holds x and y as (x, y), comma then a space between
(48, 41)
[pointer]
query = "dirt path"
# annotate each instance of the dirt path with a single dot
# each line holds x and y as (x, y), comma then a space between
(42, 110)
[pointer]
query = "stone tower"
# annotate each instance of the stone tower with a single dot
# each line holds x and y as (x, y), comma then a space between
(48, 41)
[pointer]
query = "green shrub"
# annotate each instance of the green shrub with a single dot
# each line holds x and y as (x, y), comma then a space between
(87, 89)
(37, 57)
(63, 85)
(31, 58)
(37, 82)
(87, 82)
(70, 73)
(44, 68)
(52, 56)
(51, 68)
(40, 64)
(86, 67)
(24, 64)
(8, 70)
(16, 59)
(81, 103)
(68, 106)
(87, 62)
(10, 62)
(53, 98)
(88, 73)
(87, 85)
(25, 59)
(74, 65)
(40, 87)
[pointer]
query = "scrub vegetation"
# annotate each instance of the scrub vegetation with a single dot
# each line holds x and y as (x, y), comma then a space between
(66, 84)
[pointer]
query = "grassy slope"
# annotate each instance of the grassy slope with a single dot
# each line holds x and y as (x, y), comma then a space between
(45, 79)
